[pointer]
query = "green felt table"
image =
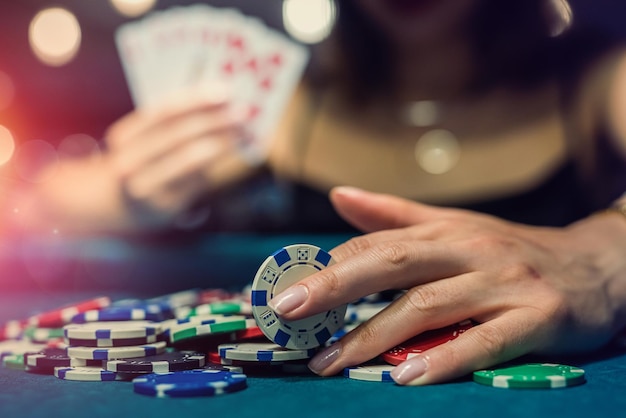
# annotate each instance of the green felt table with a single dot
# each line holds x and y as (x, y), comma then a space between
(30, 395)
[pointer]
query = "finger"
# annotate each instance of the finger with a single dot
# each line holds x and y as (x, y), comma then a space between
(161, 142)
(372, 211)
(359, 244)
(180, 105)
(173, 170)
(509, 336)
(390, 265)
(431, 306)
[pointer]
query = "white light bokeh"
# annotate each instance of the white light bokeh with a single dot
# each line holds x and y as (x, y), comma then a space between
(36, 161)
(437, 151)
(7, 145)
(561, 16)
(422, 113)
(78, 146)
(132, 8)
(54, 36)
(309, 21)
(7, 90)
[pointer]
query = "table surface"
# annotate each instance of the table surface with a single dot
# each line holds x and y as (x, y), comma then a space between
(29, 395)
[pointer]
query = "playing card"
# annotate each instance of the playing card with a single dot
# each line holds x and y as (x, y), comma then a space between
(199, 44)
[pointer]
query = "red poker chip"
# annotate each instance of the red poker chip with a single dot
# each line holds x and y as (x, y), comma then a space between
(12, 330)
(425, 341)
(214, 295)
(63, 316)
(249, 334)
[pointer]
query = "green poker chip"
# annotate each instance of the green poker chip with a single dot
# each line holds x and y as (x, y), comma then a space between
(531, 376)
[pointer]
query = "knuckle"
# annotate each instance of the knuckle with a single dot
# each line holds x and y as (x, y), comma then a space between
(422, 299)
(357, 245)
(328, 283)
(395, 254)
(366, 335)
(491, 339)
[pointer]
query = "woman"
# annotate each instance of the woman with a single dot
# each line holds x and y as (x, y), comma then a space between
(472, 103)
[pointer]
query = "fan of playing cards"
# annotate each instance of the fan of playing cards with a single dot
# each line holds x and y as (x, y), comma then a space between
(183, 46)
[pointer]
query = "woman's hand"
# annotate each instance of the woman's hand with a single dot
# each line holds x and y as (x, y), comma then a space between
(531, 289)
(166, 158)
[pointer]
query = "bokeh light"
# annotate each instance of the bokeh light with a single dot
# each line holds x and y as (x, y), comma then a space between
(7, 145)
(7, 90)
(309, 21)
(133, 8)
(437, 151)
(78, 146)
(36, 161)
(55, 36)
(560, 15)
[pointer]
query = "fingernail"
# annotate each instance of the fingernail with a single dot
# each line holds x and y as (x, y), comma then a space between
(289, 300)
(349, 191)
(325, 358)
(410, 371)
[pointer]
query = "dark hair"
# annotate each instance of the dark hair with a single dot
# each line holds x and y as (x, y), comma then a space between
(512, 40)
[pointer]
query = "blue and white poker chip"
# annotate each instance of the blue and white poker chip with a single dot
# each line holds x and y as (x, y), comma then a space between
(112, 353)
(370, 373)
(123, 313)
(187, 383)
(262, 352)
(112, 330)
(279, 271)
(86, 374)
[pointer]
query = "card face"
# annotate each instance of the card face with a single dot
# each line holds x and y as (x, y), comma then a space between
(184, 46)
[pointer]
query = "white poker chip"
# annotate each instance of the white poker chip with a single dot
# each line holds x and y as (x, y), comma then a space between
(112, 330)
(112, 353)
(279, 271)
(14, 347)
(263, 352)
(85, 374)
(370, 373)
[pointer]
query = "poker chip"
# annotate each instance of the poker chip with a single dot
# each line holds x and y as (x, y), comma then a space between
(118, 342)
(531, 376)
(121, 313)
(12, 330)
(42, 334)
(111, 353)
(51, 358)
(371, 373)
(425, 341)
(224, 308)
(59, 317)
(214, 295)
(262, 352)
(160, 363)
(191, 330)
(111, 330)
(12, 347)
(282, 269)
(188, 297)
(190, 383)
(223, 367)
(13, 361)
(86, 374)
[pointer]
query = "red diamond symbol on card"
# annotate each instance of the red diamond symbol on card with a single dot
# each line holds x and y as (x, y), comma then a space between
(253, 112)
(266, 83)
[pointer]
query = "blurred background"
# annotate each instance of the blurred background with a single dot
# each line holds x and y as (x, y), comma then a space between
(62, 85)
(60, 73)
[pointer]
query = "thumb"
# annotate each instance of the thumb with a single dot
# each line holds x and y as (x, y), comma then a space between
(371, 212)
